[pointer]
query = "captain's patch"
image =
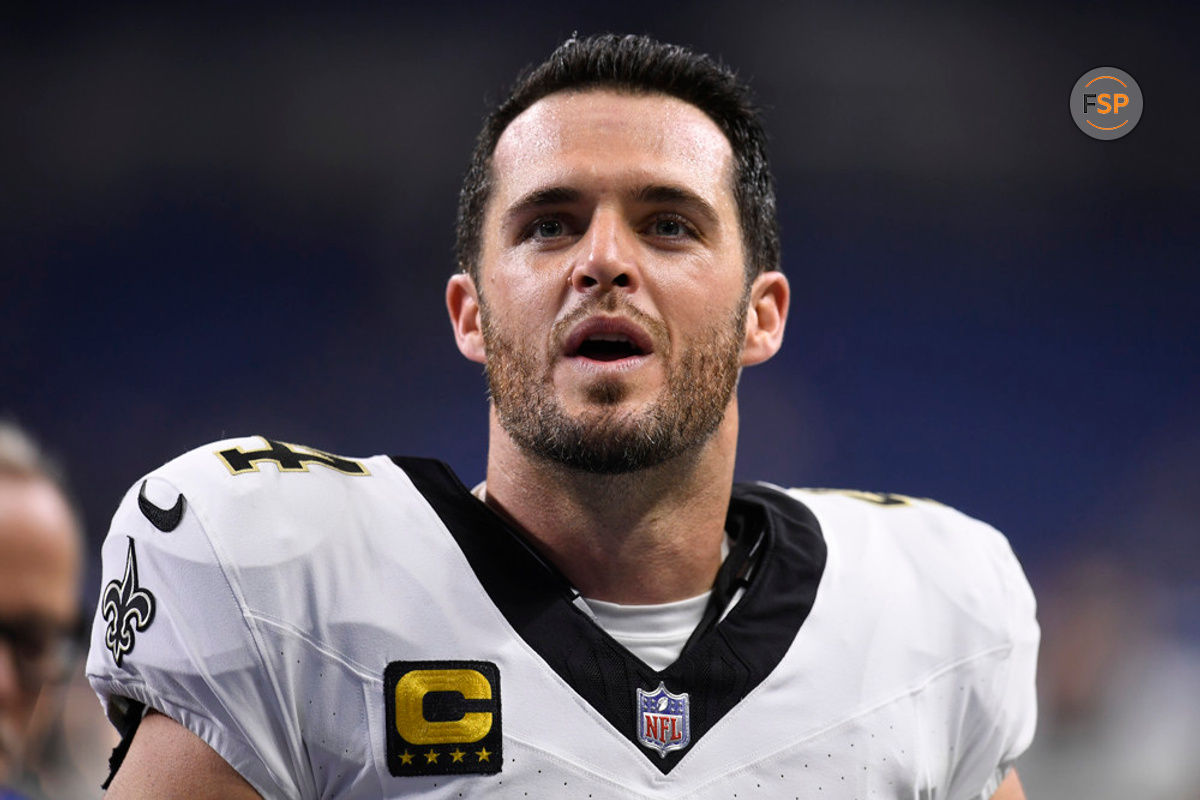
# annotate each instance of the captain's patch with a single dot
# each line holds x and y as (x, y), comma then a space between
(443, 717)
(664, 723)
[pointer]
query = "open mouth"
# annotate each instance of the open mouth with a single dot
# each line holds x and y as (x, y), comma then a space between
(608, 347)
(608, 339)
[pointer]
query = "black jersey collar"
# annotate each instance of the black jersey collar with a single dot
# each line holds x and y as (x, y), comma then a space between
(778, 556)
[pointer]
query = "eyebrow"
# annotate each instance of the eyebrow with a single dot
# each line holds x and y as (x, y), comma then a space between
(540, 198)
(662, 193)
(654, 193)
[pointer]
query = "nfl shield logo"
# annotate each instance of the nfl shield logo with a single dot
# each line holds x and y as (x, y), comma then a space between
(663, 721)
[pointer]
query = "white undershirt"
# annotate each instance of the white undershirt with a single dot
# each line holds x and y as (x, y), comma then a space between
(656, 633)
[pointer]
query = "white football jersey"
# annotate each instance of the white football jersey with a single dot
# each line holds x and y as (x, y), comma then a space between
(341, 628)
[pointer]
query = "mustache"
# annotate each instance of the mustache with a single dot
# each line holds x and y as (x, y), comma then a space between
(609, 304)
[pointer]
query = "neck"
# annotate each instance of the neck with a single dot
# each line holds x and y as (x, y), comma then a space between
(650, 536)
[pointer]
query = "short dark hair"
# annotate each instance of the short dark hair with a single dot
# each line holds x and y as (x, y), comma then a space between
(640, 65)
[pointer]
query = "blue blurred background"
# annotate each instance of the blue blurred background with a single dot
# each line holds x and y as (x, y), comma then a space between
(237, 218)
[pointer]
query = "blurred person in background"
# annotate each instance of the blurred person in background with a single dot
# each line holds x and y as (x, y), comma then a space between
(41, 554)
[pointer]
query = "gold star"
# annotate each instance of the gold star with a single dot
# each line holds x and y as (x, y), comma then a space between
(431, 756)
(458, 755)
(483, 754)
(406, 757)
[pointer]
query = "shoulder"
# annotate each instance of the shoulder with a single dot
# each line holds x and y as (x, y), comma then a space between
(932, 610)
(915, 550)
(252, 466)
(919, 526)
(257, 492)
(267, 514)
(254, 514)
(234, 573)
(229, 510)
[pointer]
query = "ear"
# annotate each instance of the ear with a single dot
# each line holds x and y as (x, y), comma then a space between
(462, 301)
(766, 317)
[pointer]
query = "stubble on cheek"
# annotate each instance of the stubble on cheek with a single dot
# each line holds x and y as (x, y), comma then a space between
(513, 374)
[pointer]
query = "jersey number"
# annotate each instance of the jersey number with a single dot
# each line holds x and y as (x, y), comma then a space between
(287, 457)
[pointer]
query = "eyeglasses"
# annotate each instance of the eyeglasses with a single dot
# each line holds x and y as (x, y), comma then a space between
(42, 652)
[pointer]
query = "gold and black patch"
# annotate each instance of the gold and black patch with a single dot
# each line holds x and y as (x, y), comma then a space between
(443, 717)
(287, 457)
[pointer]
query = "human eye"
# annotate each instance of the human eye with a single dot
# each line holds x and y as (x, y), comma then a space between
(670, 226)
(544, 228)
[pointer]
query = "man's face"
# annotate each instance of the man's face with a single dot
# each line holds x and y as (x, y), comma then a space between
(39, 574)
(613, 292)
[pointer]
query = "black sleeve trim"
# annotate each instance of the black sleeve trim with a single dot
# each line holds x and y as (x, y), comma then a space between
(127, 727)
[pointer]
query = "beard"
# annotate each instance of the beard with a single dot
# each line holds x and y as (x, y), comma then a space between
(604, 438)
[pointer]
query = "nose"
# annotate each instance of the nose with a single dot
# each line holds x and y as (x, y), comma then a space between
(608, 256)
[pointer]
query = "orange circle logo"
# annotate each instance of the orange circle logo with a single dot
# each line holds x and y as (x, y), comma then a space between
(1106, 103)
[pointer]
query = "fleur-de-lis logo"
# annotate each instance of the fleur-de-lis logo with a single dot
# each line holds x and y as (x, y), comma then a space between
(127, 607)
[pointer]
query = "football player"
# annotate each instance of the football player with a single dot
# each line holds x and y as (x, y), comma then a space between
(608, 615)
